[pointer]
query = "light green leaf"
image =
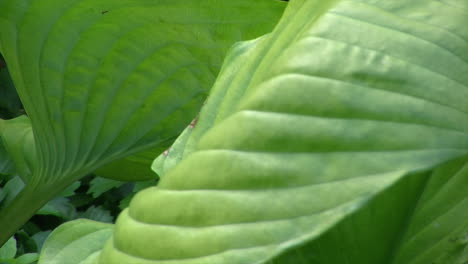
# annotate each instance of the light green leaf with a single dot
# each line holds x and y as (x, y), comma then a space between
(92, 259)
(105, 79)
(28, 258)
(337, 138)
(170, 157)
(8, 251)
(73, 242)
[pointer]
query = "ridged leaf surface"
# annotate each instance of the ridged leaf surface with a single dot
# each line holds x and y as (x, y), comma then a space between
(341, 137)
(104, 79)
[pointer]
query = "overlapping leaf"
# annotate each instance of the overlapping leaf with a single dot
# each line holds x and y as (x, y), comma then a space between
(104, 79)
(347, 124)
(17, 146)
(75, 242)
(131, 168)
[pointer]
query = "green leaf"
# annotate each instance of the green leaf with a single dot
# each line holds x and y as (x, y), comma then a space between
(99, 186)
(74, 241)
(2, 195)
(11, 190)
(93, 85)
(337, 138)
(102, 80)
(170, 157)
(136, 188)
(437, 231)
(7, 166)
(8, 251)
(97, 214)
(60, 207)
(10, 104)
(28, 258)
(18, 140)
(39, 238)
(131, 168)
(70, 190)
(25, 243)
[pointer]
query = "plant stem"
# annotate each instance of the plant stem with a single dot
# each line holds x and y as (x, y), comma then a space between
(21, 209)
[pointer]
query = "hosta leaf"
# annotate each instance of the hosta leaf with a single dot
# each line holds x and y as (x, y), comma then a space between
(173, 155)
(131, 168)
(8, 251)
(337, 138)
(428, 237)
(90, 73)
(27, 258)
(17, 138)
(438, 228)
(74, 242)
(104, 79)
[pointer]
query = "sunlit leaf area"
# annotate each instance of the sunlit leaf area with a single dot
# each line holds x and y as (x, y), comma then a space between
(233, 132)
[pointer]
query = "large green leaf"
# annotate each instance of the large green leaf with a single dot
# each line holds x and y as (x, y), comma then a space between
(104, 79)
(17, 143)
(173, 155)
(341, 137)
(131, 168)
(75, 242)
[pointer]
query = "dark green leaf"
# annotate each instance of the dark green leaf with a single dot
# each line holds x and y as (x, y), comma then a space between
(99, 186)
(97, 214)
(60, 207)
